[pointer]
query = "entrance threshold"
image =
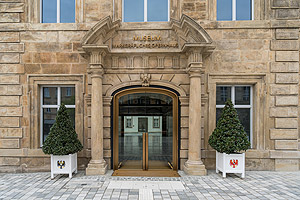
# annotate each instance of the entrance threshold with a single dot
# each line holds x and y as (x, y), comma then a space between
(146, 173)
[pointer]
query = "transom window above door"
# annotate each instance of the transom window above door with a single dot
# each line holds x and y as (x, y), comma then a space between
(231, 10)
(145, 10)
(57, 11)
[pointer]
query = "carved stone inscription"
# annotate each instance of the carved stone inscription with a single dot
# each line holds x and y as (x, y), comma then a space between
(145, 40)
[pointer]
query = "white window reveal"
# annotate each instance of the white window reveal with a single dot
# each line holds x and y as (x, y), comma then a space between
(51, 99)
(146, 10)
(57, 11)
(241, 97)
(231, 10)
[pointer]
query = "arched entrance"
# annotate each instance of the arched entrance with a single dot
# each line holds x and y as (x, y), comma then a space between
(145, 132)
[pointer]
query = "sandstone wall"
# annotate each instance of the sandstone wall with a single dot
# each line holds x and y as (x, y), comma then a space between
(264, 53)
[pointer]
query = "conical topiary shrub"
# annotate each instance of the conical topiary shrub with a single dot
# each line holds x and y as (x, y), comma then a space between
(229, 136)
(62, 139)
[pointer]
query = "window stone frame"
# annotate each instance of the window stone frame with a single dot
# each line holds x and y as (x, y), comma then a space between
(34, 11)
(174, 10)
(260, 7)
(35, 82)
(260, 135)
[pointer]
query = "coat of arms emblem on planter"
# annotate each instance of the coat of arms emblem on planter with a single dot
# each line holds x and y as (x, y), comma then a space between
(234, 163)
(61, 164)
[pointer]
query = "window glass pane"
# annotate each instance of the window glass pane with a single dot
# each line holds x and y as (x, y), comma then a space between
(49, 115)
(49, 11)
(157, 10)
(218, 114)
(243, 9)
(67, 11)
(133, 10)
(71, 112)
(224, 10)
(242, 95)
(223, 94)
(68, 95)
(49, 96)
(244, 116)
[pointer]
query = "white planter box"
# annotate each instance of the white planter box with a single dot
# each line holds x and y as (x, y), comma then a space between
(66, 164)
(230, 163)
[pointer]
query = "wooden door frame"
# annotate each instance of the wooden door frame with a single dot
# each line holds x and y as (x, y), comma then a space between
(116, 115)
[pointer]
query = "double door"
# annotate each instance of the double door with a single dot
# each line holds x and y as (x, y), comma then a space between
(145, 130)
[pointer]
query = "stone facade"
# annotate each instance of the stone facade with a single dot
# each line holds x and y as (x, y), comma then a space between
(263, 53)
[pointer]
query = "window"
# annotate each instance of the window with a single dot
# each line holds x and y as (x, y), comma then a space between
(50, 105)
(145, 10)
(128, 122)
(57, 11)
(241, 97)
(156, 122)
(228, 10)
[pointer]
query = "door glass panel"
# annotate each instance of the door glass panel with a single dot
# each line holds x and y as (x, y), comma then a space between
(142, 113)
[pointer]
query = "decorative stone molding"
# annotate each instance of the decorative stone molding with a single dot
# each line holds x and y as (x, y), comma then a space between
(145, 78)
(96, 71)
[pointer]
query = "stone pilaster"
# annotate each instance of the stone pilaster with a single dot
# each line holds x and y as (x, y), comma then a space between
(194, 165)
(97, 165)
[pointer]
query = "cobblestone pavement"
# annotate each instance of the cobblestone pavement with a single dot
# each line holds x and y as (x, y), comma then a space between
(256, 185)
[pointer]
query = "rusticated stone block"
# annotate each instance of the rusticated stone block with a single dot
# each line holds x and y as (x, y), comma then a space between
(227, 44)
(9, 79)
(286, 165)
(44, 57)
(287, 34)
(291, 45)
(286, 100)
(8, 161)
(32, 68)
(287, 78)
(284, 67)
(283, 89)
(12, 122)
(106, 143)
(12, 7)
(287, 13)
(11, 111)
(286, 144)
(184, 144)
(283, 112)
(10, 132)
(10, 90)
(11, 47)
(284, 154)
(257, 44)
(67, 57)
(14, 90)
(9, 17)
(9, 58)
(9, 37)
(11, 68)
(283, 134)
(292, 56)
(286, 3)
(286, 123)
(55, 68)
(9, 101)
(9, 143)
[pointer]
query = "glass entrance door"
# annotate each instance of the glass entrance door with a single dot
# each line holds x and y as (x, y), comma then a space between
(146, 134)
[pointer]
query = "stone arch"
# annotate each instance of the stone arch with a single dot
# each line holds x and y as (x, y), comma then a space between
(166, 84)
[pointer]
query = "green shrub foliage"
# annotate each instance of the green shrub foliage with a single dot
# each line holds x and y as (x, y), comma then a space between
(62, 139)
(229, 136)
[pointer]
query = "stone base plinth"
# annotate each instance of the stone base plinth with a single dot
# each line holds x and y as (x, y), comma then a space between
(96, 168)
(194, 168)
